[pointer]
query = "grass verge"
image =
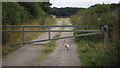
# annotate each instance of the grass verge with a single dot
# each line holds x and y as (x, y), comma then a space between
(63, 23)
(93, 54)
(8, 49)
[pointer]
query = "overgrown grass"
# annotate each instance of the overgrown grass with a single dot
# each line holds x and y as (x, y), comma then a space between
(92, 54)
(91, 48)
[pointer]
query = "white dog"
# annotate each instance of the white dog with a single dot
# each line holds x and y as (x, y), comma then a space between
(66, 46)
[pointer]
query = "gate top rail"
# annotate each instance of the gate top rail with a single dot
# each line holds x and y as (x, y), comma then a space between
(51, 30)
(9, 26)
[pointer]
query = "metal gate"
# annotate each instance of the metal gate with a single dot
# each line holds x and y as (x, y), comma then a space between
(103, 30)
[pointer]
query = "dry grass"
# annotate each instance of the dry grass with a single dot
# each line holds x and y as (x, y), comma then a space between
(16, 37)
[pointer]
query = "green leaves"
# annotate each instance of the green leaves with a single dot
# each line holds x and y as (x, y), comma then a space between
(16, 13)
(13, 13)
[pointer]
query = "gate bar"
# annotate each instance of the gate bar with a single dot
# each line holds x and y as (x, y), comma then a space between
(87, 34)
(9, 26)
(51, 30)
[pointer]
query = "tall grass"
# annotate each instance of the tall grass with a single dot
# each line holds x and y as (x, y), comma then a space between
(110, 18)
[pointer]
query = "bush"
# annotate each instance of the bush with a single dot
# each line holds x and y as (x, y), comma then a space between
(34, 8)
(13, 13)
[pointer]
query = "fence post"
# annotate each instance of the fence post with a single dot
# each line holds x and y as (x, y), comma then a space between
(23, 36)
(105, 33)
(49, 32)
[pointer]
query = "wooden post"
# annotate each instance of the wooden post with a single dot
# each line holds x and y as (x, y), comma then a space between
(105, 33)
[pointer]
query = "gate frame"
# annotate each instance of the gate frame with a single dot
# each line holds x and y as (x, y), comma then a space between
(103, 30)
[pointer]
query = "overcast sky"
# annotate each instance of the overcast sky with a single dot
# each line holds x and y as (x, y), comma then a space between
(79, 3)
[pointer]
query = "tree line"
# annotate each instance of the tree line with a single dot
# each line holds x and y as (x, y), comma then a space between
(19, 12)
(64, 12)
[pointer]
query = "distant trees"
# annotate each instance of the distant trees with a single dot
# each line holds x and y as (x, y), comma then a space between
(99, 8)
(64, 12)
(114, 6)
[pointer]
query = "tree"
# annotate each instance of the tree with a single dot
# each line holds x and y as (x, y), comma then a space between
(64, 12)
(34, 8)
(13, 13)
(46, 6)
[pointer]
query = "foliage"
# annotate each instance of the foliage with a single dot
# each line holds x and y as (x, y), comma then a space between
(13, 13)
(114, 6)
(46, 6)
(63, 12)
(34, 8)
(100, 14)
(99, 8)
(16, 13)
(27, 13)
(91, 54)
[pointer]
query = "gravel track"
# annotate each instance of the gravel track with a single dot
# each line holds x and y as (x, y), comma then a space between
(61, 57)
(26, 55)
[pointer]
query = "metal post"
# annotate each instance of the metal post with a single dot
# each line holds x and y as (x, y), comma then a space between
(49, 32)
(23, 36)
(105, 32)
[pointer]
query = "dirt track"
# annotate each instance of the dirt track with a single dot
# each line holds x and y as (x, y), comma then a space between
(26, 55)
(60, 57)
